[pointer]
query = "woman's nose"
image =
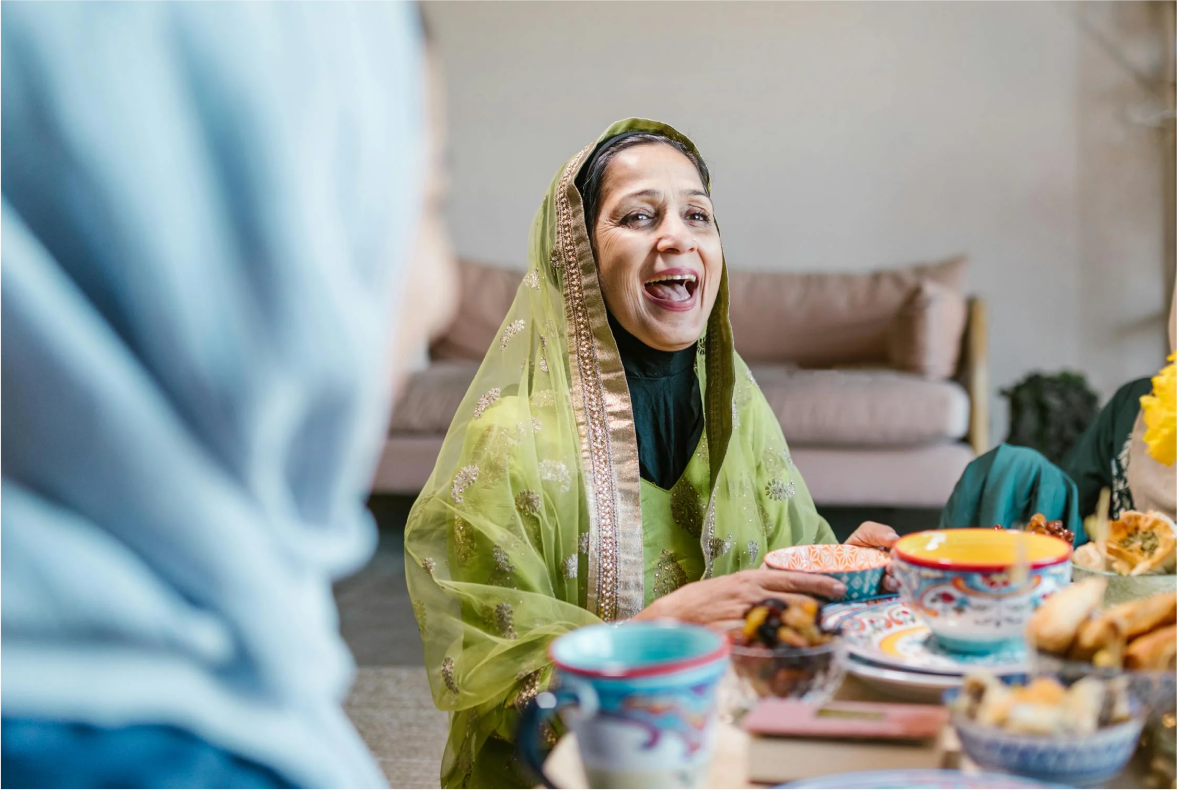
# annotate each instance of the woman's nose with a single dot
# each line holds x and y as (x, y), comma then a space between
(676, 237)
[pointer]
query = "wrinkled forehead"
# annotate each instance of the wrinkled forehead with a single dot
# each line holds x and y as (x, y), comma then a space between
(651, 170)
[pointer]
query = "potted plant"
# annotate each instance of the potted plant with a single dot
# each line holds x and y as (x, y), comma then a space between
(1049, 412)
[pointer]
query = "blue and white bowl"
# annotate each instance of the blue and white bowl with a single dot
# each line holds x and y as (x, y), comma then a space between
(1074, 760)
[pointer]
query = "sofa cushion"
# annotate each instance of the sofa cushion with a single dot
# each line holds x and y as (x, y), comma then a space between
(925, 335)
(483, 301)
(432, 397)
(821, 320)
(922, 476)
(862, 408)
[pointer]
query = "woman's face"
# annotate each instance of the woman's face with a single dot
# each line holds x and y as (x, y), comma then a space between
(658, 252)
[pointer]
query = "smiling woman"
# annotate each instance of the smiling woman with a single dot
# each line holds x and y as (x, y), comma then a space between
(613, 459)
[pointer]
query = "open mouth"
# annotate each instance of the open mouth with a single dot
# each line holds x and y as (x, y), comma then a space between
(673, 290)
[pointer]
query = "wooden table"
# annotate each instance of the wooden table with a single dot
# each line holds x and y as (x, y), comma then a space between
(729, 762)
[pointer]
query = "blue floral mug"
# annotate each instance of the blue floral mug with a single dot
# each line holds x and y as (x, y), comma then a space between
(641, 698)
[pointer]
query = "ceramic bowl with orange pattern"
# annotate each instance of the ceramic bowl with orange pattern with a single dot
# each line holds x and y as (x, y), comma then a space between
(860, 569)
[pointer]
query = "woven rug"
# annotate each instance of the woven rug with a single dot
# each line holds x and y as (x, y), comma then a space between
(394, 713)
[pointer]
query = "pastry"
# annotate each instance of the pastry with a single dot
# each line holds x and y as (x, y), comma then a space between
(1156, 650)
(1143, 542)
(1140, 617)
(1090, 557)
(1055, 623)
(1099, 634)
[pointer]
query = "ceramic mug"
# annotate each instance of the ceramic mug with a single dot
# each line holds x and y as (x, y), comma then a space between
(641, 698)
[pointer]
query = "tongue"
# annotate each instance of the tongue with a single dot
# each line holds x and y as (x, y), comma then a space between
(671, 291)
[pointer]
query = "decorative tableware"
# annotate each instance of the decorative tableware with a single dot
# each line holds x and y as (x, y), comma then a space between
(901, 684)
(641, 698)
(921, 779)
(959, 583)
(1121, 589)
(1075, 760)
(808, 674)
(889, 634)
(860, 569)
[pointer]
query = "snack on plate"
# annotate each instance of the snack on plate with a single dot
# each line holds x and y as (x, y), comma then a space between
(1055, 529)
(1141, 543)
(1138, 635)
(1156, 650)
(1056, 622)
(1045, 706)
(774, 624)
(1040, 526)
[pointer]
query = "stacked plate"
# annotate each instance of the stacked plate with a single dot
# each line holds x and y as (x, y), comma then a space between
(891, 650)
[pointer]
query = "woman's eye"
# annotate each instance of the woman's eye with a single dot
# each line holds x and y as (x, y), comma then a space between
(636, 217)
(698, 216)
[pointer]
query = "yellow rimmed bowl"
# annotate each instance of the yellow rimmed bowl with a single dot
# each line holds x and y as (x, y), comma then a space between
(961, 584)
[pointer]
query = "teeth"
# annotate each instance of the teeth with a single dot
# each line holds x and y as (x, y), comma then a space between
(686, 278)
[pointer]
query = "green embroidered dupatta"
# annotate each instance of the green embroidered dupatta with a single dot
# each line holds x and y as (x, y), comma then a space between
(531, 524)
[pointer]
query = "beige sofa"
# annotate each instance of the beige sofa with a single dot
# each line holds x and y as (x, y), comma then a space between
(878, 379)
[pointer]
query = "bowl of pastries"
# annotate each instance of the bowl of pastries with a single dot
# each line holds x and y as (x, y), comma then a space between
(1074, 734)
(782, 650)
(1076, 636)
(1136, 554)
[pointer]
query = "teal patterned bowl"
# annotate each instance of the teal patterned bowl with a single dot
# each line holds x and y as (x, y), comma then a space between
(860, 569)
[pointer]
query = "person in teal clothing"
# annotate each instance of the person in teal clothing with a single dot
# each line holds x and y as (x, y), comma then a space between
(1010, 484)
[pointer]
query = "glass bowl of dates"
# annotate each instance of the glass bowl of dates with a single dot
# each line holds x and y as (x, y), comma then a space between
(781, 650)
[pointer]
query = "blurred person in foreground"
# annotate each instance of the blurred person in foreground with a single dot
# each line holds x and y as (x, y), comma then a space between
(1130, 449)
(209, 214)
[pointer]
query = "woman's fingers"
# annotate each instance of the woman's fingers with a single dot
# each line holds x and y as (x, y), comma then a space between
(873, 534)
(803, 583)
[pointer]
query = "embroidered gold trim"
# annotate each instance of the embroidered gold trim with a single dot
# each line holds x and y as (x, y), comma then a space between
(513, 328)
(668, 574)
(447, 675)
(463, 480)
(555, 472)
(529, 687)
(571, 566)
(463, 540)
(528, 502)
(485, 402)
(685, 508)
(505, 621)
(609, 452)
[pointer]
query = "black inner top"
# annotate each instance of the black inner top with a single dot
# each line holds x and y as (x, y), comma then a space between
(667, 405)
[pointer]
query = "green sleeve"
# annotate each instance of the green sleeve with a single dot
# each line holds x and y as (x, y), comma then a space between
(1089, 463)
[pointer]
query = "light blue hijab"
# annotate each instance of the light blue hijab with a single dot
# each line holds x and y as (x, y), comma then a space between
(206, 208)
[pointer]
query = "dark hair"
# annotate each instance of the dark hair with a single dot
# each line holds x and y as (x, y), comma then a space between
(592, 175)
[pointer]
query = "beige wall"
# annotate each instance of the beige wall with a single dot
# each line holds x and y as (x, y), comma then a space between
(847, 136)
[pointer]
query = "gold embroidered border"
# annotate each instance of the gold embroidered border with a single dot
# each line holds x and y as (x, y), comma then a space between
(616, 585)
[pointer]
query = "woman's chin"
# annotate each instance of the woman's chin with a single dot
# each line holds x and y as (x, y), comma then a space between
(670, 335)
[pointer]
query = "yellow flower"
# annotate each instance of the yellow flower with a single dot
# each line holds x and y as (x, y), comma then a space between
(1160, 415)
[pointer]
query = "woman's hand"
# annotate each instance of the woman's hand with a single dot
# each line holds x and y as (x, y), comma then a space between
(722, 602)
(873, 535)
